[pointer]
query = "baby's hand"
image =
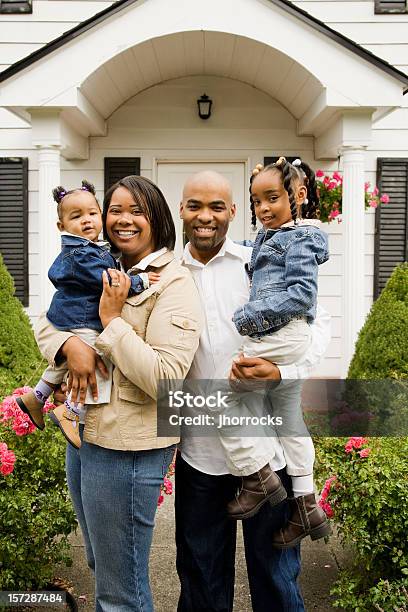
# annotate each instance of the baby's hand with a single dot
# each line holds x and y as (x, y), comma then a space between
(153, 277)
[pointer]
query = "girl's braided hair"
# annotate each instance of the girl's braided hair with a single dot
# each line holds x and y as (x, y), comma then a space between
(60, 192)
(290, 172)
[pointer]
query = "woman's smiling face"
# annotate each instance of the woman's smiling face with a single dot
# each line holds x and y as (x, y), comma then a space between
(128, 228)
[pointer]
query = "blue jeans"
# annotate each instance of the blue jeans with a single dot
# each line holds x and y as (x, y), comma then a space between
(115, 497)
(206, 538)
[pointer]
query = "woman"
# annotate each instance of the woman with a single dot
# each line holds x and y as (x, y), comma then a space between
(114, 479)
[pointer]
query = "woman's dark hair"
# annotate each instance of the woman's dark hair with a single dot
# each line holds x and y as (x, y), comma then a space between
(60, 192)
(153, 204)
(290, 173)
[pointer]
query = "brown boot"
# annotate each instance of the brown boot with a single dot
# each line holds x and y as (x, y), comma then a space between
(68, 422)
(256, 489)
(30, 405)
(307, 518)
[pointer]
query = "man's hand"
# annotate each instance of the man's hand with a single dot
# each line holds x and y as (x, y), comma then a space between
(82, 360)
(250, 368)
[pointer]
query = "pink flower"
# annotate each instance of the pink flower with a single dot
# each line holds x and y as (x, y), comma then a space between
(319, 173)
(385, 198)
(337, 177)
(22, 425)
(48, 406)
(167, 486)
(326, 489)
(375, 191)
(7, 460)
(366, 186)
(364, 452)
(333, 214)
(373, 203)
(160, 501)
(326, 507)
(354, 443)
(326, 181)
(332, 185)
(9, 411)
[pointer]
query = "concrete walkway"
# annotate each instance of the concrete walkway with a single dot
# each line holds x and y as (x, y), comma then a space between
(319, 562)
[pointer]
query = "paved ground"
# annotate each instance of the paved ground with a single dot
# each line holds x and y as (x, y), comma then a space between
(320, 567)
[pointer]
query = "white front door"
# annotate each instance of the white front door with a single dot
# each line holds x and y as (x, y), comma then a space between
(172, 176)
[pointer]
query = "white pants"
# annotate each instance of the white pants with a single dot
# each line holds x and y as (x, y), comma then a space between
(245, 454)
(56, 375)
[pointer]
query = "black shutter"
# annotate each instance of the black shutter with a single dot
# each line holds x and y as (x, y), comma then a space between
(14, 221)
(272, 160)
(117, 168)
(16, 6)
(390, 6)
(391, 220)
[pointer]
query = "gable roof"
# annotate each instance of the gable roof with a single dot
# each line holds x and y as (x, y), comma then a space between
(285, 5)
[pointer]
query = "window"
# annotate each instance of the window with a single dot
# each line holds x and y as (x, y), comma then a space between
(117, 168)
(391, 231)
(390, 6)
(14, 221)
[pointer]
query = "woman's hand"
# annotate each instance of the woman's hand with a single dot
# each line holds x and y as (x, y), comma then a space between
(82, 360)
(114, 295)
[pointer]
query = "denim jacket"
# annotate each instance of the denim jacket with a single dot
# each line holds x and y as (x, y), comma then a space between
(283, 272)
(77, 276)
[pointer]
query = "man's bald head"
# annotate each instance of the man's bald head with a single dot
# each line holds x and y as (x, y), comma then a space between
(207, 210)
(208, 180)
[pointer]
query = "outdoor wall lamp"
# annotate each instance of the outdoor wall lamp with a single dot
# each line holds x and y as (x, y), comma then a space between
(204, 107)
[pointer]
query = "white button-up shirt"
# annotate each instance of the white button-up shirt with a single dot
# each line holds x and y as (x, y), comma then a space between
(223, 285)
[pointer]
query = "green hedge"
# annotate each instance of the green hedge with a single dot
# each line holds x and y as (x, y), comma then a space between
(369, 497)
(36, 515)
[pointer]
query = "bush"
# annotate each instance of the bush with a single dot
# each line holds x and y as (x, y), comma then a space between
(369, 495)
(20, 359)
(382, 346)
(36, 515)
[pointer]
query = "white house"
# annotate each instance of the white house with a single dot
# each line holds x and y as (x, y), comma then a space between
(97, 90)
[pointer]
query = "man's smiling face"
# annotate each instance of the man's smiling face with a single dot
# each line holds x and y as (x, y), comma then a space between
(207, 210)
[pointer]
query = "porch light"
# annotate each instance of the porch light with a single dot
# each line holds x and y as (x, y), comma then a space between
(204, 107)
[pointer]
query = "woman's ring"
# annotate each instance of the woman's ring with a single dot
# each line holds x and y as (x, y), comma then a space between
(115, 285)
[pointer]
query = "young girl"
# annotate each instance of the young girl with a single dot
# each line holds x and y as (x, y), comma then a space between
(275, 322)
(77, 276)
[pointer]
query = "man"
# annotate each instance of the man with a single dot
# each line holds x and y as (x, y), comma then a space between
(205, 537)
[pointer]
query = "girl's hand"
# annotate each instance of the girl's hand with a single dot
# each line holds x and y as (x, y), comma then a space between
(82, 361)
(113, 295)
(153, 277)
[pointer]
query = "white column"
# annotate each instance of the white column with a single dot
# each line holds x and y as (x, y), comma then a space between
(353, 308)
(49, 237)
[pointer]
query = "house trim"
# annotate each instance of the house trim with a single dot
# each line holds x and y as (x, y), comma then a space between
(285, 5)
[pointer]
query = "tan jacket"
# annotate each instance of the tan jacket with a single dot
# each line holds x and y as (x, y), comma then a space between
(155, 338)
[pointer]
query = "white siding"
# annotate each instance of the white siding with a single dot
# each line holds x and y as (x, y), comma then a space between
(384, 35)
(21, 34)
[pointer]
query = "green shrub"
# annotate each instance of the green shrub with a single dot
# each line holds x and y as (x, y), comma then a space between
(36, 515)
(19, 355)
(382, 346)
(369, 497)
